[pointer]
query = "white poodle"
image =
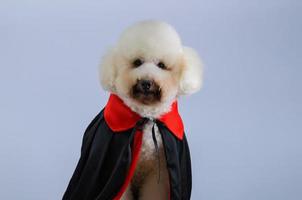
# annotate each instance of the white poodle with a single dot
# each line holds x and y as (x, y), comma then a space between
(148, 69)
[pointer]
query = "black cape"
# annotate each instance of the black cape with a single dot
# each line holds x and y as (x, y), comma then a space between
(106, 157)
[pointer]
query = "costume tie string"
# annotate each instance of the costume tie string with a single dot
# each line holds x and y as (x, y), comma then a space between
(156, 149)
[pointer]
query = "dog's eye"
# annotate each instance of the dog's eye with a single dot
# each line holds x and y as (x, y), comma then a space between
(137, 62)
(161, 65)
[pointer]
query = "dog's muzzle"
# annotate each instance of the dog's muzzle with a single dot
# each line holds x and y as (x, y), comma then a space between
(146, 91)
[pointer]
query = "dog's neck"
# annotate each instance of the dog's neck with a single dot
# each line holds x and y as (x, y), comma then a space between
(149, 111)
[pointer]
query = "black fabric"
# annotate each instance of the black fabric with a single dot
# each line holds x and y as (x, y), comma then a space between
(106, 157)
(178, 163)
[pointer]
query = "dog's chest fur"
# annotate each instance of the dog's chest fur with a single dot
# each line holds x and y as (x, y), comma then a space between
(148, 156)
(148, 163)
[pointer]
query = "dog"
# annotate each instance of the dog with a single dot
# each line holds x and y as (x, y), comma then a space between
(148, 69)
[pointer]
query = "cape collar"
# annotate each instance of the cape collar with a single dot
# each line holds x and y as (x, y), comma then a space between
(120, 117)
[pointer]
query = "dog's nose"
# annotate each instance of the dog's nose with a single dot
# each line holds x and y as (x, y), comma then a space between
(145, 84)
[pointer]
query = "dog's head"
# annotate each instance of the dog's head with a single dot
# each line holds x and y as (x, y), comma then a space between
(148, 68)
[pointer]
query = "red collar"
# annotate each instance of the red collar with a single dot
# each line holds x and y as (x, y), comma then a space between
(120, 117)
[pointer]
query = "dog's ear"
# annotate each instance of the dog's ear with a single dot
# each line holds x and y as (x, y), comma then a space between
(107, 70)
(191, 77)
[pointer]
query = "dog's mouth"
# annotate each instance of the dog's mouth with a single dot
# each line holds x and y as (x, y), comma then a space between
(146, 92)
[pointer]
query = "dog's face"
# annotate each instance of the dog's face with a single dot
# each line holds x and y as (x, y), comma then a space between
(147, 82)
(148, 67)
